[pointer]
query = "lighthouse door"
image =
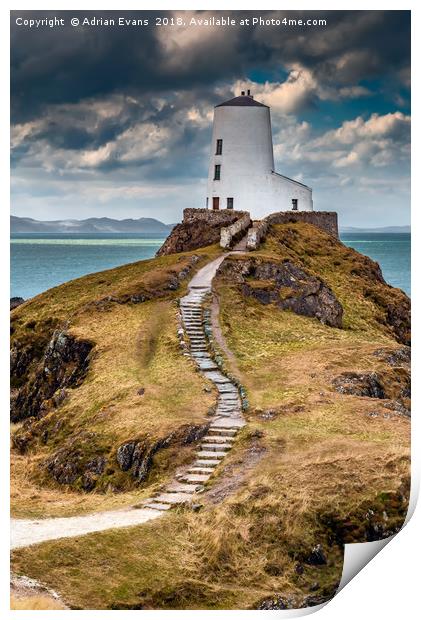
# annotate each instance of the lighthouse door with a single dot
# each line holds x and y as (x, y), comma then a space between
(215, 203)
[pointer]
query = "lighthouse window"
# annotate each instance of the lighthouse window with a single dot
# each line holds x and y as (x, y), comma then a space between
(230, 203)
(217, 175)
(295, 204)
(218, 147)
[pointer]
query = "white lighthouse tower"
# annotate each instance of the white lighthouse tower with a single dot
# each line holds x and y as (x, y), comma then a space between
(241, 169)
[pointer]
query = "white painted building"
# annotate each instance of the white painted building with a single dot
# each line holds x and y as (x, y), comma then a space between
(241, 169)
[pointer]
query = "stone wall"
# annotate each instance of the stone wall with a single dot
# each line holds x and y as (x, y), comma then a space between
(256, 234)
(326, 220)
(234, 231)
(224, 217)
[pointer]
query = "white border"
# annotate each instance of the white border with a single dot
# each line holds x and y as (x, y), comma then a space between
(387, 586)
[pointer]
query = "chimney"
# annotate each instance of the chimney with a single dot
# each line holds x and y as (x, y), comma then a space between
(242, 93)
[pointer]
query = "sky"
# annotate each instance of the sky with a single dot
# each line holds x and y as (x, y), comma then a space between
(116, 120)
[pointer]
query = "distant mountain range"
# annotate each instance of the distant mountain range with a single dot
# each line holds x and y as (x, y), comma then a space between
(91, 225)
(384, 229)
(141, 225)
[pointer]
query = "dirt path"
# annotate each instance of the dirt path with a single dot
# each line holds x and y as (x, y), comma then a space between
(220, 436)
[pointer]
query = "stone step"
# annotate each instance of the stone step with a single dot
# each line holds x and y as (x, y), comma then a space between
(228, 410)
(173, 498)
(227, 388)
(208, 454)
(193, 302)
(195, 477)
(214, 447)
(226, 432)
(176, 487)
(232, 423)
(204, 365)
(205, 463)
(218, 439)
(217, 377)
(200, 470)
(157, 506)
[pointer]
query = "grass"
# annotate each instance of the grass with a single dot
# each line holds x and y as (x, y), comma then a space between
(329, 472)
(136, 346)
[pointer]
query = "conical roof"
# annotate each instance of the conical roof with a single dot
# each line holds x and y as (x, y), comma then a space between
(242, 100)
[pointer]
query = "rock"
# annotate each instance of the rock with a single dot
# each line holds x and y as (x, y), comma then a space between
(359, 384)
(137, 454)
(88, 481)
(287, 286)
(398, 407)
(395, 357)
(97, 465)
(125, 455)
(312, 601)
(398, 316)
(276, 602)
(317, 556)
(141, 391)
(64, 363)
(196, 232)
(15, 302)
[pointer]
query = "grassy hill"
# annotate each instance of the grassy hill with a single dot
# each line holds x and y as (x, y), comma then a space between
(136, 385)
(323, 460)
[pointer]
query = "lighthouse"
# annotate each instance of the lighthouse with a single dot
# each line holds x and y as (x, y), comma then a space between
(241, 169)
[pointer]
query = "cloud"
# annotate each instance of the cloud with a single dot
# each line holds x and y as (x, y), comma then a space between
(99, 111)
(88, 62)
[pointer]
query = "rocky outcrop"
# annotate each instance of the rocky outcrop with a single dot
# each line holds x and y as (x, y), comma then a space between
(395, 357)
(64, 363)
(84, 463)
(359, 384)
(386, 384)
(278, 601)
(15, 302)
(398, 317)
(200, 227)
(287, 286)
(395, 307)
(75, 463)
(190, 236)
(136, 455)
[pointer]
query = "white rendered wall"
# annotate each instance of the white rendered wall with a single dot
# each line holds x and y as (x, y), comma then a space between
(247, 164)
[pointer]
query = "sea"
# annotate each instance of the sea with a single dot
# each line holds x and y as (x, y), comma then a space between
(40, 261)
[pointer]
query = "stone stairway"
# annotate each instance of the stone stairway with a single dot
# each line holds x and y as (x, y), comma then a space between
(188, 483)
(228, 418)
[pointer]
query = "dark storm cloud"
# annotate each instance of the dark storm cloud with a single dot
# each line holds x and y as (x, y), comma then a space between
(117, 120)
(70, 64)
